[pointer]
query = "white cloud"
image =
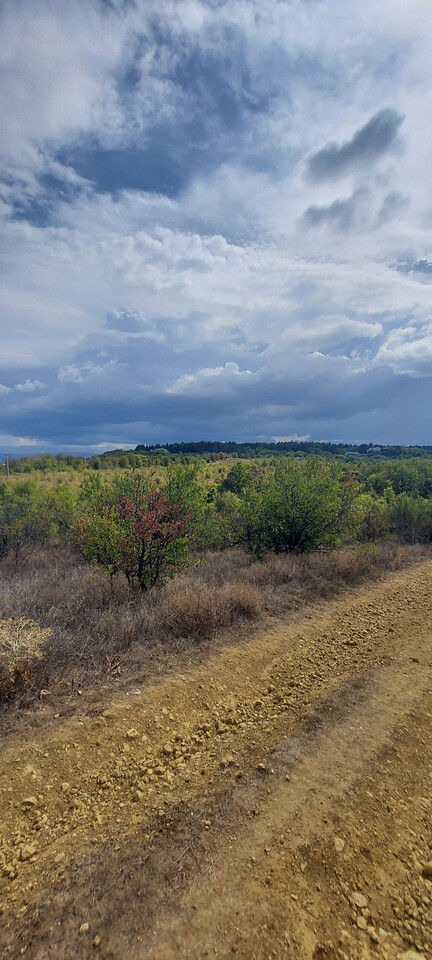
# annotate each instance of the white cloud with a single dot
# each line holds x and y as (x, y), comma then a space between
(207, 380)
(9, 442)
(408, 351)
(134, 288)
(292, 437)
(29, 386)
(88, 371)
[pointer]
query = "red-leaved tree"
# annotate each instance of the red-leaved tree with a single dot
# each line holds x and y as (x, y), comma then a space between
(140, 533)
(155, 545)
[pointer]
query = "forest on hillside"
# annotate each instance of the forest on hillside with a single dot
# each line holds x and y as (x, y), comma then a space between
(209, 451)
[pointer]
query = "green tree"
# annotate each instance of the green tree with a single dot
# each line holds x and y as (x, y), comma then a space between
(411, 518)
(133, 528)
(371, 520)
(307, 506)
(238, 479)
(25, 518)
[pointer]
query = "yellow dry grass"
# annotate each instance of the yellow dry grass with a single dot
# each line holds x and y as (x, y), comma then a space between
(23, 646)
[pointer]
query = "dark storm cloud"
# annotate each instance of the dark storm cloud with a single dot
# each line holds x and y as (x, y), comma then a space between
(215, 100)
(367, 144)
(340, 214)
(391, 207)
(78, 412)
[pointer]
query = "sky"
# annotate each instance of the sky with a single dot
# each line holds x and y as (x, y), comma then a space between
(215, 222)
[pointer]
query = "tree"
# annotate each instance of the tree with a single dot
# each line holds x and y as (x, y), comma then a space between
(371, 516)
(131, 528)
(254, 519)
(411, 518)
(237, 479)
(25, 518)
(307, 506)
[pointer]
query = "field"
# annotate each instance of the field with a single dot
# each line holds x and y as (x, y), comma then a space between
(232, 758)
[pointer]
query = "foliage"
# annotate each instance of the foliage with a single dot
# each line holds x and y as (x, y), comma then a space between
(371, 518)
(411, 518)
(147, 520)
(300, 507)
(238, 479)
(135, 529)
(31, 515)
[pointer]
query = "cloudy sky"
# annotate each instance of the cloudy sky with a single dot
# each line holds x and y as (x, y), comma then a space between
(216, 221)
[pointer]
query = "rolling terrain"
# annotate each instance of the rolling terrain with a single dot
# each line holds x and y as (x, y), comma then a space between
(272, 802)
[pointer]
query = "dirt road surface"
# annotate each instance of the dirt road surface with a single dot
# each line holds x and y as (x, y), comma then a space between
(274, 801)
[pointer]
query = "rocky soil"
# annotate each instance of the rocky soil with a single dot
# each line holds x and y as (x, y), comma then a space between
(273, 802)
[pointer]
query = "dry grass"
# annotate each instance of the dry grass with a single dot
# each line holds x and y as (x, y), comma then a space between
(201, 613)
(23, 654)
(95, 623)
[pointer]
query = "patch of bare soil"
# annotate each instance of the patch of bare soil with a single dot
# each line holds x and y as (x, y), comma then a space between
(272, 802)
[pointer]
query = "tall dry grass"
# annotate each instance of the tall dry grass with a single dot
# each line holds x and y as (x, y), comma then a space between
(95, 622)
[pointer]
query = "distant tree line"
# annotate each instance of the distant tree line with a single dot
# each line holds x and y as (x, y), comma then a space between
(209, 450)
(249, 451)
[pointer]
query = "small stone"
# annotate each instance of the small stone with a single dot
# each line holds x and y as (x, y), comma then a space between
(132, 734)
(427, 870)
(373, 934)
(227, 760)
(65, 787)
(27, 851)
(59, 857)
(339, 844)
(30, 802)
(359, 900)
(84, 928)
(96, 940)
(30, 771)
(137, 796)
(361, 923)
(168, 749)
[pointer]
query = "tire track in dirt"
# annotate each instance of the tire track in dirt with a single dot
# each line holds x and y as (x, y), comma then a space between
(314, 700)
(310, 774)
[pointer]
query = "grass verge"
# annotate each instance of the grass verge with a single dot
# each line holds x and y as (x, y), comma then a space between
(86, 627)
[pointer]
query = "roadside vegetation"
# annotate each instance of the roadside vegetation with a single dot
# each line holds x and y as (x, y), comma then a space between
(105, 577)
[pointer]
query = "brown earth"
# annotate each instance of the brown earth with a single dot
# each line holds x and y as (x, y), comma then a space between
(272, 802)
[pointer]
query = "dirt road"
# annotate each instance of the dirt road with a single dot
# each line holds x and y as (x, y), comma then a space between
(273, 802)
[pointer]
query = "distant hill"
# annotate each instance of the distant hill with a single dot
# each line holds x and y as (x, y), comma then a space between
(260, 449)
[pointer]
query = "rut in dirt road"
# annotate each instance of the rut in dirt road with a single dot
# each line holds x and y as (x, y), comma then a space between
(273, 802)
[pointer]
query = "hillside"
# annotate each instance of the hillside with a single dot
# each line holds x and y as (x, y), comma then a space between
(271, 802)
